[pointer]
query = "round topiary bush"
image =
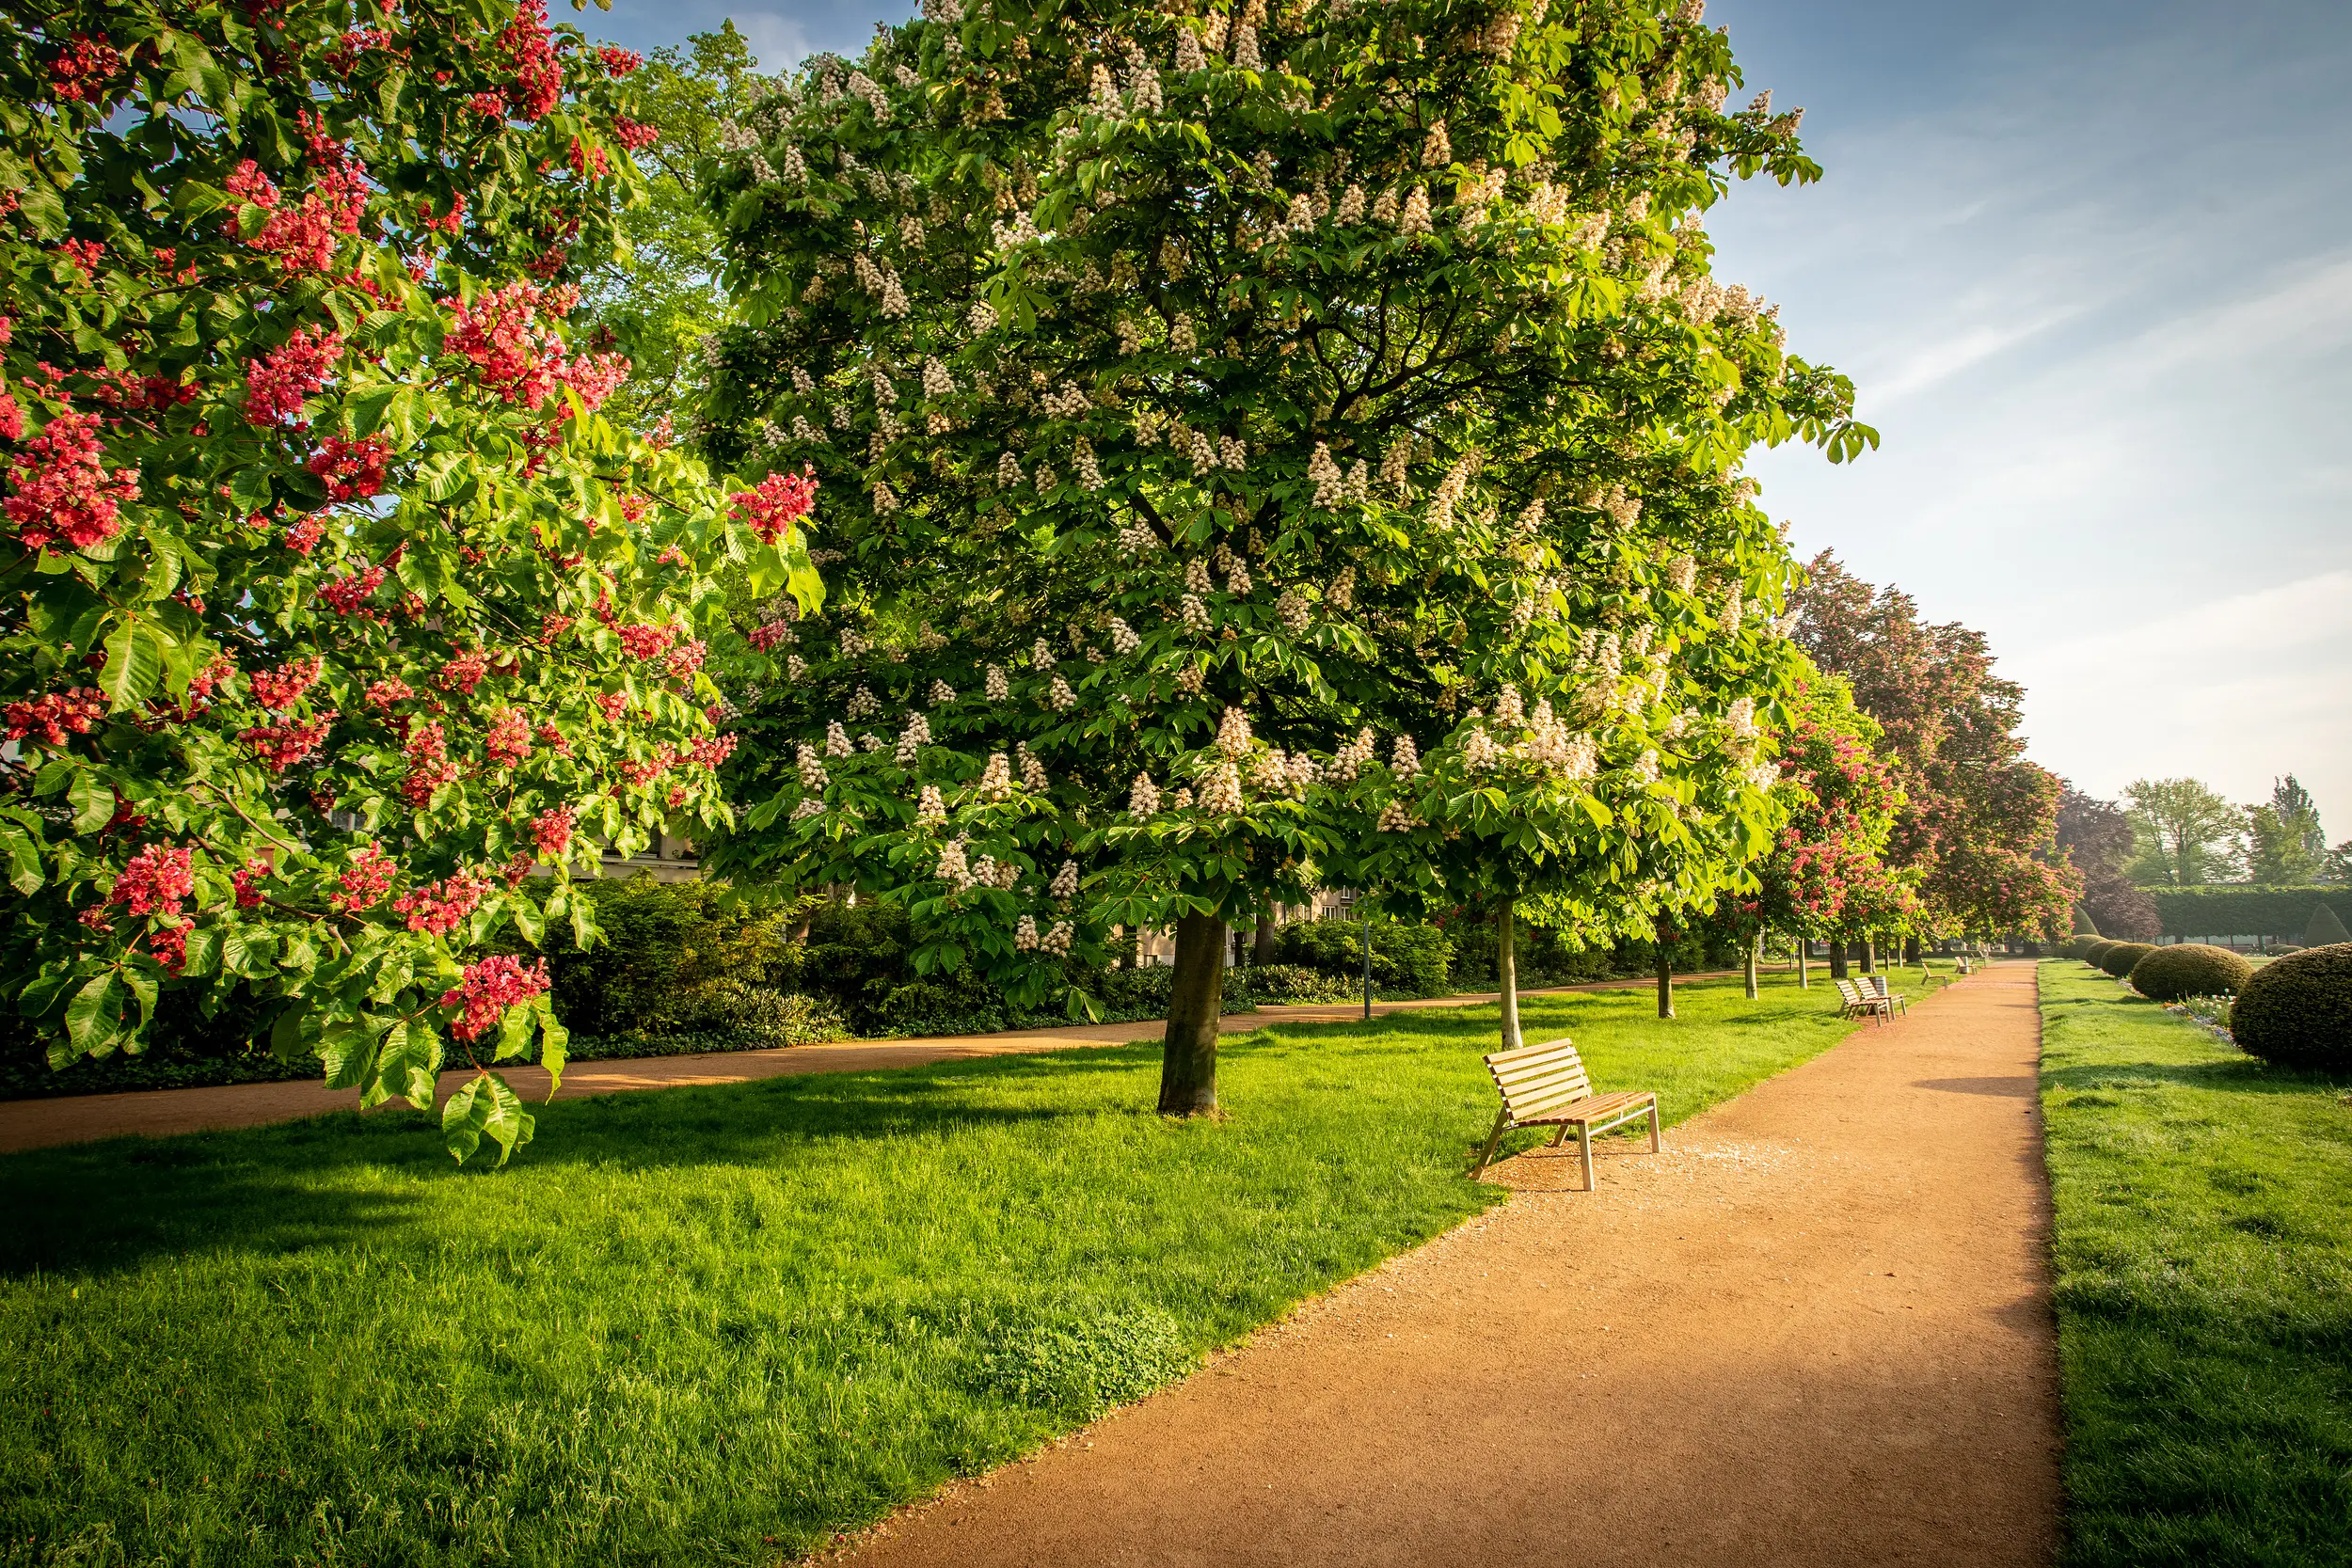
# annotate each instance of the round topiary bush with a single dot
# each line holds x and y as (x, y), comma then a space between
(2097, 950)
(2079, 947)
(2297, 1012)
(2121, 955)
(2189, 969)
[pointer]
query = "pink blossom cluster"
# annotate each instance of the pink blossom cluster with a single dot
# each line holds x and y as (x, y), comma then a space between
(710, 753)
(282, 746)
(611, 704)
(589, 162)
(84, 254)
(383, 693)
(634, 134)
(281, 689)
(157, 881)
(640, 774)
(429, 764)
(555, 739)
(303, 535)
(778, 502)
(276, 384)
(303, 238)
(509, 739)
(464, 672)
(684, 659)
(367, 881)
(348, 594)
(488, 989)
(246, 880)
(646, 641)
(531, 49)
(768, 636)
(521, 356)
(215, 676)
(80, 75)
(618, 62)
(439, 908)
(551, 831)
(63, 490)
(354, 471)
(52, 716)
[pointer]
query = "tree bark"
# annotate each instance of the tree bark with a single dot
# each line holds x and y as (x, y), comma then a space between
(1756, 943)
(1666, 981)
(1196, 1000)
(1837, 960)
(1869, 956)
(1804, 975)
(1508, 977)
(1263, 951)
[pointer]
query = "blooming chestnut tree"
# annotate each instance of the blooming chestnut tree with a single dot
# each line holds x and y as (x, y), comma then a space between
(1223, 408)
(333, 606)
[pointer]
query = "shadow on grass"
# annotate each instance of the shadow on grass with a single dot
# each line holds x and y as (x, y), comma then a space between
(330, 1180)
(2238, 1075)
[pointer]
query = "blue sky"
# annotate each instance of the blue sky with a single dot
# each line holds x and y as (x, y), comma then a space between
(2090, 267)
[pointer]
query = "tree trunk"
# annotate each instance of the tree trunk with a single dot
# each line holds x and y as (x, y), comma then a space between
(1196, 1000)
(1804, 976)
(1756, 943)
(1869, 956)
(1507, 978)
(1666, 981)
(1263, 951)
(1838, 960)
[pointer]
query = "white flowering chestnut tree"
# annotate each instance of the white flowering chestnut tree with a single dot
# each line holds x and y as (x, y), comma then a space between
(1220, 407)
(333, 606)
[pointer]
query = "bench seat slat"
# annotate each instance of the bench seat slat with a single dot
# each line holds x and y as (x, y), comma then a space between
(1537, 1083)
(1591, 1108)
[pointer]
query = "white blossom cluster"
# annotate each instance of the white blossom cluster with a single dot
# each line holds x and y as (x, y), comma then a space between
(1733, 611)
(912, 740)
(994, 684)
(1221, 795)
(1123, 637)
(1143, 797)
(1065, 887)
(1331, 486)
(812, 770)
(953, 867)
(1062, 698)
(1032, 772)
(1396, 818)
(1232, 733)
(1740, 719)
(1291, 609)
(1405, 760)
(863, 702)
(929, 810)
(1195, 613)
(1351, 759)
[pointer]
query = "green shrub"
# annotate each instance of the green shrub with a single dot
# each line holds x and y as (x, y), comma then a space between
(2189, 969)
(2096, 951)
(1405, 957)
(2121, 955)
(1297, 983)
(674, 959)
(2297, 1012)
(2323, 930)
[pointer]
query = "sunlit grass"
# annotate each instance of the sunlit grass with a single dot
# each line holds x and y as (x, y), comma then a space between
(2203, 1287)
(715, 1325)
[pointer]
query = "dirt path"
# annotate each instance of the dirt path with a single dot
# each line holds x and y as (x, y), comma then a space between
(158, 1113)
(1815, 1330)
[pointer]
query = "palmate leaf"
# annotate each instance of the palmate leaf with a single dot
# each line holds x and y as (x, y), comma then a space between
(485, 1106)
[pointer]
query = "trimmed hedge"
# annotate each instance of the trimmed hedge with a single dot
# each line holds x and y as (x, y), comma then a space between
(1405, 957)
(2297, 1012)
(2122, 957)
(2079, 947)
(2325, 930)
(2250, 910)
(2096, 951)
(2189, 969)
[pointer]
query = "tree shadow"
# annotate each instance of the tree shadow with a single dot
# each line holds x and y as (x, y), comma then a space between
(334, 1180)
(2240, 1075)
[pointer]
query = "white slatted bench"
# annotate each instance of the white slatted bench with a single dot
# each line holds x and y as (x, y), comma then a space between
(1853, 1002)
(1546, 1085)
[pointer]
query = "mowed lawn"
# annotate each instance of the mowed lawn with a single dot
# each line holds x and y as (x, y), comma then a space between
(2203, 1288)
(718, 1325)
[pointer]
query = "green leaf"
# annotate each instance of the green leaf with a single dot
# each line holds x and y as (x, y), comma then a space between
(585, 932)
(514, 1033)
(24, 858)
(135, 663)
(347, 1045)
(93, 803)
(94, 1018)
(528, 920)
(555, 1043)
(249, 950)
(464, 1117)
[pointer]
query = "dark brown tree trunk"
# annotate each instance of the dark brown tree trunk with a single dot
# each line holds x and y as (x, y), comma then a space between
(1666, 981)
(1508, 977)
(1196, 1000)
(1756, 943)
(1838, 960)
(1261, 952)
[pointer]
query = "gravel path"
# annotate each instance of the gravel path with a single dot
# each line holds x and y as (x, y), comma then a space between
(1816, 1330)
(158, 1113)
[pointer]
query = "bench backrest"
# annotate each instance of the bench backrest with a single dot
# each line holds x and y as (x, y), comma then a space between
(1846, 990)
(1535, 1080)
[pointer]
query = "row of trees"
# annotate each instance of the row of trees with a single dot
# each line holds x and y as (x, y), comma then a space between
(2185, 833)
(1261, 450)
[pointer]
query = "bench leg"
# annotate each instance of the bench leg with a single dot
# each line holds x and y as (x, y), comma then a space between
(1653, 1127)
(1584, 1154)
(1502, 1120)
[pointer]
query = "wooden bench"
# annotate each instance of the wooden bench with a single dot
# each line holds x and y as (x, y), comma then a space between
(1546, 1085)
(1887, 993)
(1853, 1002)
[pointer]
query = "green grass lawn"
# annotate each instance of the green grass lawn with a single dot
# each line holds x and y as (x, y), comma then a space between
(2203, 1288)
(715, 1325)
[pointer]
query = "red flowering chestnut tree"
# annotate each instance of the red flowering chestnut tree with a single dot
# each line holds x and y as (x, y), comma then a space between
(333, 606)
